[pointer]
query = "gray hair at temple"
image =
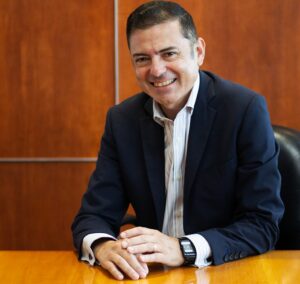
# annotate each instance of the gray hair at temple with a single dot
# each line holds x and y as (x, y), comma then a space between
(158, 12)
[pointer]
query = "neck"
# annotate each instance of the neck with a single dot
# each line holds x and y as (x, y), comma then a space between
(171, 112)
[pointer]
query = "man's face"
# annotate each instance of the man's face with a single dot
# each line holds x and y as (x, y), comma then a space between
(166, 64)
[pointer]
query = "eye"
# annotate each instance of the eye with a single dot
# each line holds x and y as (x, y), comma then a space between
(170, 54)
(141, 60)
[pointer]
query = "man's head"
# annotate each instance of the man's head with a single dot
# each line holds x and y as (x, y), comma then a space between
(158, 12)
(166, 54)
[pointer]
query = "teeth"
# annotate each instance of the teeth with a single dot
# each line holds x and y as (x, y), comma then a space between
(162, 84)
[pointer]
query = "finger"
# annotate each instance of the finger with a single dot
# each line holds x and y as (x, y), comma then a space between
(141, 239)
(112, 269)
(136, 231)
(125, 267)
(152, 257)
(145, 267)
(141, 269)
(144, 248)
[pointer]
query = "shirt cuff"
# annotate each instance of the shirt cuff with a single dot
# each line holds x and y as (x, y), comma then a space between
(203, 250)
(87, 253)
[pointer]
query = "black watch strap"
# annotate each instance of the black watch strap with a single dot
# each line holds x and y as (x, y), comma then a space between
(188, 250)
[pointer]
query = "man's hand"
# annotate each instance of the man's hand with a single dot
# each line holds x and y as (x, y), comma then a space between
(152, 246)
(118, 261)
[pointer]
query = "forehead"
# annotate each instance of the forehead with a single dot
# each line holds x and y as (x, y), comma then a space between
(157, 37)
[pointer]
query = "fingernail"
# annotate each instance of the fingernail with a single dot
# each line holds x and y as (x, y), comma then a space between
(146, 269)
(123, 235)
(120, 277)
(136, 276)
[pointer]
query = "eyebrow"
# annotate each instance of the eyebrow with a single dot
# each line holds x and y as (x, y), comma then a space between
(160, 51)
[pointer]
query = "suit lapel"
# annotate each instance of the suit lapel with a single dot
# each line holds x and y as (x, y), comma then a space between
(201, 123)
(153, 146)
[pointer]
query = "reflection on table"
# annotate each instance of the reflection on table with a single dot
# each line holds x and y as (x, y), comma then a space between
(63, 267)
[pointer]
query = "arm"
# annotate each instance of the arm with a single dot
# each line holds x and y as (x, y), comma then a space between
(104, 203)
(103, 206)
(259, 208)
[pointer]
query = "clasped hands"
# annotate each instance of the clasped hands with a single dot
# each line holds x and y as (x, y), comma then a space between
(135, 248)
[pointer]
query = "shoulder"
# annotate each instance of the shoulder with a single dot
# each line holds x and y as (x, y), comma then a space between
(132, 105)
(230, 95)
(130, 111)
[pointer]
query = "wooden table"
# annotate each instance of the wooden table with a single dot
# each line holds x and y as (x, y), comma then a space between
(63, 267)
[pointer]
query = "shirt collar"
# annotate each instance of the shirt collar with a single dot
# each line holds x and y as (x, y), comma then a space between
(158, 114)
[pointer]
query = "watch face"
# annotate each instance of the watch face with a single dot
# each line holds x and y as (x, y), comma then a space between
(187, 247)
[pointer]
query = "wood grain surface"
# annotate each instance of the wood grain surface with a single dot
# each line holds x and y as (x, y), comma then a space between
(63, 267)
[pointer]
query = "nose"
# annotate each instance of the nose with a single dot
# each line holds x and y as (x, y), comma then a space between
(158, 67)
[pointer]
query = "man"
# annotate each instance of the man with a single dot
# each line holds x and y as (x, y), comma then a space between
(194, 154)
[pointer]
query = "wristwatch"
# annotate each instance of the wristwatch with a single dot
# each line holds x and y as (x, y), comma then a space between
(188, 250)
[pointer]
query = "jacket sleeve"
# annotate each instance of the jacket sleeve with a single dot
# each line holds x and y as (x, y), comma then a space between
(258, 206)
(104, 203)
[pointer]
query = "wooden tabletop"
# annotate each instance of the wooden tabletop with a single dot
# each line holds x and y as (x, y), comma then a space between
(57, 267)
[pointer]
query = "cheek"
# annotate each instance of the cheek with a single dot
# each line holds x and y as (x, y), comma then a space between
(140, 74)
(190, 71)
(184, 68)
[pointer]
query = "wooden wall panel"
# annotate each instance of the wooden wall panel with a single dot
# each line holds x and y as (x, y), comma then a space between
(56, 76)
(39, 202)
(255, 43)
(56, 84)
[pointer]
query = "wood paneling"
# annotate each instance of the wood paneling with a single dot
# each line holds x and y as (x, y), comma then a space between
(255, 43)
(39, 202)
(56, 84)
(56, 76)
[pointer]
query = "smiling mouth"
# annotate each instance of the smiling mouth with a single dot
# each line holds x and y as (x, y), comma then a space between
(163, 84)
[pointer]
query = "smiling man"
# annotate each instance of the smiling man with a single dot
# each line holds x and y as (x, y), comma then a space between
(193, 153)
(166, 64)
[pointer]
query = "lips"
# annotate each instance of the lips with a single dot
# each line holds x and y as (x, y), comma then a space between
(164, 83)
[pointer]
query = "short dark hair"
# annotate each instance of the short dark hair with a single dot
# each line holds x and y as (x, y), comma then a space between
(158, 12)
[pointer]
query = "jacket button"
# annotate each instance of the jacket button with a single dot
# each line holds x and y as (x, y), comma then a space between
(226, 258)
(236, 255)
(231, 257)
(242, 254)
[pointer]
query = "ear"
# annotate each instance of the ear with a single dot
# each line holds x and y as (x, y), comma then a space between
(200, 50)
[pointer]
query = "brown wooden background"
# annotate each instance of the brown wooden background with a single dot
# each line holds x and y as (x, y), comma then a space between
(57, 82)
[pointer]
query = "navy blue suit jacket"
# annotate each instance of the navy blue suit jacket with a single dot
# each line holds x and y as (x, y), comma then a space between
(232, 182)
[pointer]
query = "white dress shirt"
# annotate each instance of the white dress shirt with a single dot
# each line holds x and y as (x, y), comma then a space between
(176, 134)
(176, 140)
